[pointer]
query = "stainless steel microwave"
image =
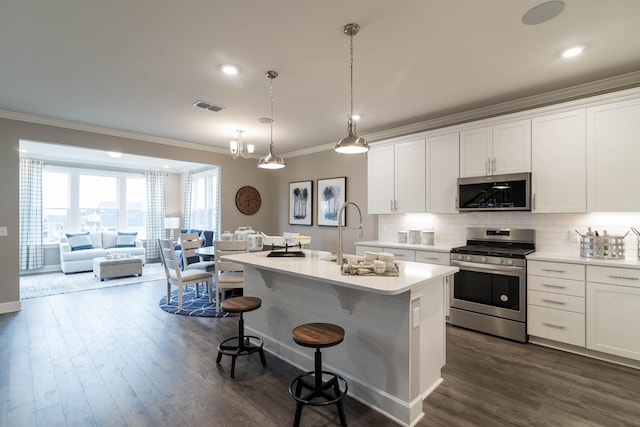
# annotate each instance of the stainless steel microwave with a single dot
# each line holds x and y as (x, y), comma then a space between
(511, 192)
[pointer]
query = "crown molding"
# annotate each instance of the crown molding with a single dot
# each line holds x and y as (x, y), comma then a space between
(612, 84)
(11, 115)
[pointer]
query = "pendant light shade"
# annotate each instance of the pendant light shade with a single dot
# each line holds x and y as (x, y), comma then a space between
(271, 161)
(352, 143)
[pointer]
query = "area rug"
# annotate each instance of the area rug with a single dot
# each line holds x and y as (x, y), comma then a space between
(192, 305)
(39, 285)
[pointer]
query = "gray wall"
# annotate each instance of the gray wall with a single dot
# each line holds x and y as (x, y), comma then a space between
(272, 218)
(326, 164)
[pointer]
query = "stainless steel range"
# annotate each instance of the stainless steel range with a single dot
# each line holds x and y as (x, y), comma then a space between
(490, 290)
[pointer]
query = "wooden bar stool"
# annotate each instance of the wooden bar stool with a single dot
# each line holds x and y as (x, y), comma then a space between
(318, 335)
(241, 345)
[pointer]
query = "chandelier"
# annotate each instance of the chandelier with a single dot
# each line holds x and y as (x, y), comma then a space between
(237, 147)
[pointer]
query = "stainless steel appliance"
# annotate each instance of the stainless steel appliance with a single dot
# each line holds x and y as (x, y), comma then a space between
(510, 192)
(490, 290)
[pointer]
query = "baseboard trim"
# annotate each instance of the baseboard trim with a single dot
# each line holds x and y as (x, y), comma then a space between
(10, 307)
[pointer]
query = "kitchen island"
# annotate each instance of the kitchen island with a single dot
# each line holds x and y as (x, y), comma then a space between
(394, 346)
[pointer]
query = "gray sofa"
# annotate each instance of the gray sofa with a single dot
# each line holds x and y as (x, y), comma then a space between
(103, 243)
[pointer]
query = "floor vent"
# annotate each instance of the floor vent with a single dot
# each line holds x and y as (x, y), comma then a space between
(207, 106)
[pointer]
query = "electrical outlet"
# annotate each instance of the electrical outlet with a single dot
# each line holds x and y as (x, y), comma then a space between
(416, 317)
(3, 231)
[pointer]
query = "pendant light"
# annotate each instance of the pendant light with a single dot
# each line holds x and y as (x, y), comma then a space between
(352, 143)
(271, 161)
(237, 147)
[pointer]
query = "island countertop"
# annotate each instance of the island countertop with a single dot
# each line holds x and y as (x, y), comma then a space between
(314, 265)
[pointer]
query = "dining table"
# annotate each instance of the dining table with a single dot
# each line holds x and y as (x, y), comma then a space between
(205, 251)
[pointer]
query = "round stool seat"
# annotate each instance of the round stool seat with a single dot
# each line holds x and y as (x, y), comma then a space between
(241, 304)
(318, 335)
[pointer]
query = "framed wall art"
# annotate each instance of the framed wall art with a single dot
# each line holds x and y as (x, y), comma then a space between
(332, 193)
(301, 203)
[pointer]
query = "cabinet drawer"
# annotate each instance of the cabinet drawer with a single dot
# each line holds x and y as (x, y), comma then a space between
(555, 285)
(556, 301)
(401, 254)
(430, 257)
(614, 276)
(556, 325)
(556, 269)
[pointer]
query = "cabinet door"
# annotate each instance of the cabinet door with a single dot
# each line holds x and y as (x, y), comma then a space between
(613, 150)
(380, 179)
(442, 172)
(475, 150)
(613, 314)
(410, 177)
(511, 149)
(558, 163)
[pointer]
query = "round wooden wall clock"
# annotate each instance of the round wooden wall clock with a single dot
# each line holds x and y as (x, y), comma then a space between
(248, 200)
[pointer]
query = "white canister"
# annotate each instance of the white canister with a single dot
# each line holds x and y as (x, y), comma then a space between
(428, 237)
(402, 236)
(227, 235)
(242, 232)
(255, 242)
(415, 236)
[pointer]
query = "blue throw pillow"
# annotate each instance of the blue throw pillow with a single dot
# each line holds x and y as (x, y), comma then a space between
(79, 241)
(126, 239)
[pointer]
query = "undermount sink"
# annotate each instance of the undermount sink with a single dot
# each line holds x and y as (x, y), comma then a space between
(333, 258)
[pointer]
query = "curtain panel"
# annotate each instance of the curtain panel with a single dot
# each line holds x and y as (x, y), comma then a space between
(156, 209)
(31, 224)
(188, 197)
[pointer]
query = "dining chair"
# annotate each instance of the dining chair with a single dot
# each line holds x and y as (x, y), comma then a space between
(179, 278)
(189, 242)
(229, 275)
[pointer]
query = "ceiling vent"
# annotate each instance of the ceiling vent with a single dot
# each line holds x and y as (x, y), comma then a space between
(207, 106)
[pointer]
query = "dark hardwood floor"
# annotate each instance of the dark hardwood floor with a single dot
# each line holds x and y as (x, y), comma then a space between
(111, 357)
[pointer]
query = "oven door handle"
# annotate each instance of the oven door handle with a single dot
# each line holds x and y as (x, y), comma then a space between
(509, 269)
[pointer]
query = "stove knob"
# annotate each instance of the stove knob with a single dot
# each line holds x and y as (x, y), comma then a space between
(484, 259)
(510, 262)
(500, 261)
(469, 258)
(461, 257)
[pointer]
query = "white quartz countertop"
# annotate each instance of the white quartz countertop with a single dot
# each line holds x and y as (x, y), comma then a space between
(383, 244)
(313, 266)
(577, 259)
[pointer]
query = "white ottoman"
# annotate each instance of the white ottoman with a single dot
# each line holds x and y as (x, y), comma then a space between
(108, 268)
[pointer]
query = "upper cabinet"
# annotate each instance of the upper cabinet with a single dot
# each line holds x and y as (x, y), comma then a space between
(396, 178)
(613, 150)
(499, 149)
(558, 168)
(442, 172)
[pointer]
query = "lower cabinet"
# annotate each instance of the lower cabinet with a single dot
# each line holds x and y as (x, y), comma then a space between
(556, 302)
(613, 311)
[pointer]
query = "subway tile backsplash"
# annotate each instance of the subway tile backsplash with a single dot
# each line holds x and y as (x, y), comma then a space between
(554, 232)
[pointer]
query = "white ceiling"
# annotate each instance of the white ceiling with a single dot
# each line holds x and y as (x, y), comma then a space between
(138, 66)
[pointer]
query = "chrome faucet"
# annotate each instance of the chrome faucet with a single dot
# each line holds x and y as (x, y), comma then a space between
(339, 255)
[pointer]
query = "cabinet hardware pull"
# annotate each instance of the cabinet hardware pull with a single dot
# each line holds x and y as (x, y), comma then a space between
(550, 301)
(398, 255)
(551, 325)
(554, 286)
(533, 202)
(430, 257)
(493, 166)
(553, 271)
(391, 205)
(624, 277)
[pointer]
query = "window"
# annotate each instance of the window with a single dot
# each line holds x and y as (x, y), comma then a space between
(81, 200)
(205, 200)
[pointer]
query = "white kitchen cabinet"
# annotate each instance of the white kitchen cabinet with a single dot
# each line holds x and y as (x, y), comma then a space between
(396, 178)
(613, 150)
(443, 165)
(556, 301)
(500, 149)
(613, 311)
(440, 258)
(558, 162)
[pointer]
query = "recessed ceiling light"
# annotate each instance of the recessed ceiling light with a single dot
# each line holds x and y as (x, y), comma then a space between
(165, 166)
(543, 12)
(356, 116)
(230, 70)
(114, 154)
(572, 51)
